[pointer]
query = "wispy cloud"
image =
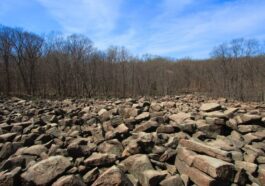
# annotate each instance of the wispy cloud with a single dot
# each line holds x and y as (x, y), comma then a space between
(176, 28)
(196, 33)
(85, 16)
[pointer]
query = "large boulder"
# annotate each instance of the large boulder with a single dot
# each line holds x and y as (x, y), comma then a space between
(45, 171)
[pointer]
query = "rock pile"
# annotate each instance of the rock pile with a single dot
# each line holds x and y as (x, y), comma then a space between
(182, 140)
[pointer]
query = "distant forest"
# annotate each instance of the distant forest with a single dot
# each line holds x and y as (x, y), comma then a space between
(57, 66)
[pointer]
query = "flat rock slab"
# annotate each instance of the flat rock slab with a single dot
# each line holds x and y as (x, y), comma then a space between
(207, 107)
(206, 149)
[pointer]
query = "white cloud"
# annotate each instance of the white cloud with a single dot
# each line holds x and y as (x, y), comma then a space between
(198, 32)
(85, 16)
(180, 27)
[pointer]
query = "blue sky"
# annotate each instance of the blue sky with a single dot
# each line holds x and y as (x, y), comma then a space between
(174, 28)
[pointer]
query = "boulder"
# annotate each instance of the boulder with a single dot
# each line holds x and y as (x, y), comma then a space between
(207, 107)
(10, 178)
(100, 159)
(36, 150)
(142, 116)
(172, 180)
(206, 149)
(247, 118)
(249, 167)
(148, 126)
(214, 167)
(112, 177)
(167, 129)
(152, 177)
(7, 137)
(91, 176)
(111, 146)
(70, 180)
(137, 164)
(180, 117)
(198, 177)
(45, 171)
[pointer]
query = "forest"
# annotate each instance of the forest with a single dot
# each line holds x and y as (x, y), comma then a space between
(57, 66)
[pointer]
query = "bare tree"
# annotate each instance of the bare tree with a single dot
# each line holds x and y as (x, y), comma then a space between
(6, 53)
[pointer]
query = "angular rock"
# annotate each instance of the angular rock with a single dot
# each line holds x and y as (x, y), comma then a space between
(78, 150)
(112, 177)
(143, 116)
(167, 155)
(206, 149)
(45, 171)
(198, 177)
(180, 117)
(249, 167)
(36, 150)
(147, 126)
(10, 178)
(207, 107)
(8, 137)
(137, 164)
(152, 177)
(70, 180)
(214, 114)
(167, 129)
(247, 118)
(214, 167)
(91, 176)
(100, 159)
(112, 147)
(172, 180)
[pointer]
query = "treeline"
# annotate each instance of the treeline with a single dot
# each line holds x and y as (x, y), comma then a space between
(71, 66)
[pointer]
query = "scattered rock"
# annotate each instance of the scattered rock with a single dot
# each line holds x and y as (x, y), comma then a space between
(172, 140)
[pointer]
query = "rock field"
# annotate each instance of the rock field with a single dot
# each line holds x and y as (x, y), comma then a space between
(167, 141)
